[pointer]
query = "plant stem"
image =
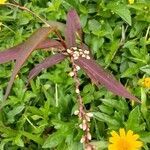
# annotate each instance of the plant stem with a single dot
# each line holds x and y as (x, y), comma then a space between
(82, 112)
(28, 10)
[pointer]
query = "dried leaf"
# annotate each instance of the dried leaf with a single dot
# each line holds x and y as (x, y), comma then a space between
(48, 62)
(73, 28)
(26, 49)
(99, 75)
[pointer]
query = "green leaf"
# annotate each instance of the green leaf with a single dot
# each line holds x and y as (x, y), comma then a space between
(18, 141)
(119, 105)
(100, 145)
(105, 118)
(134, 121)
(113, 50)
(53, 140)
(121, 10)
(145, 136)
(130, 71)
(146, 69)
(11, 114)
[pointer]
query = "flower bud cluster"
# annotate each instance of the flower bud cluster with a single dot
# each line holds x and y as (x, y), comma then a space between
(76, 53)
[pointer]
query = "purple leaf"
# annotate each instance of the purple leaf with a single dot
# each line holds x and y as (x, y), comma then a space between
(9, 54)
(73, 29)
(48, 62)
(26, 49)
(50, 44)
(12, 53)
(99, 75)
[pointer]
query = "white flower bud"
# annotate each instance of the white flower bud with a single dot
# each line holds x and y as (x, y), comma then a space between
(87, 118)
(78, 68)
(89, 115)
(77, 91)
(69, 51)
(76, 52)
(82, 139)
(75, 58)
(84, 126)
(86, 52)
(71, 73)
(89, 136)
(83, 55)
(80, 53)
(80, 126)
(74, 48)
(76, 112)
(88, 57)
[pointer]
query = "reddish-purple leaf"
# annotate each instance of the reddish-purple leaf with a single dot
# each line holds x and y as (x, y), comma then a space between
(26, 49)
(73, 28)
(9, 54)
(50, 44)
(99, 75)
(48, 62)
(12, 53)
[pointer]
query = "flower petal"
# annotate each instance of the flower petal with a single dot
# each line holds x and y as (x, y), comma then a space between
(129, 133)
(122, 132)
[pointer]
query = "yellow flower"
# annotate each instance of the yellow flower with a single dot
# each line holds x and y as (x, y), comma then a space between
(145, 82)
(123, 141)
(2, 1)
(131, 1)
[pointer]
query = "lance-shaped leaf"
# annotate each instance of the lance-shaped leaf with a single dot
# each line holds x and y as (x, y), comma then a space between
(12, 53)
(48, 62)
(26, 49)
(96, 72)
(9, 54)
(48, 43)
(73, 29)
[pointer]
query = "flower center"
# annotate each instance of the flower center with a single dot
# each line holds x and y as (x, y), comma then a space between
(123, 144)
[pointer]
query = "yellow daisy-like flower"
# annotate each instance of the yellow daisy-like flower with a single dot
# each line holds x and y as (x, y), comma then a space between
(2, 1)
(123, 141)
(131, 1)
(145, 82)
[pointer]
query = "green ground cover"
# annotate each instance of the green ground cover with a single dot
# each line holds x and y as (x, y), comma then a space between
(40, 116)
